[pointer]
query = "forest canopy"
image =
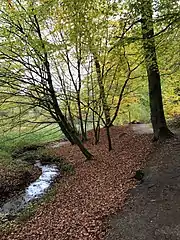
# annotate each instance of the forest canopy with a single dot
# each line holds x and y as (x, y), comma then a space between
(80, 64)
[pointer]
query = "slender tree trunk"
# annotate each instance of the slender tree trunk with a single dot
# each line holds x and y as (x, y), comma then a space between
(102, 92)
(96, 128)
(104, 101)
(109, 138)
(155, 95)
(97, 132)
(86, 123)
(129, 115)
(70, 116)
(83, 133)
(65, 126)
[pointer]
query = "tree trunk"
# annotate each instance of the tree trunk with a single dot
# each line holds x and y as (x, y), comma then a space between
(66, 133)
(83, 133)
(102, 91)
(109, 138)
(65, 126)
(70, 116)
(155, 95)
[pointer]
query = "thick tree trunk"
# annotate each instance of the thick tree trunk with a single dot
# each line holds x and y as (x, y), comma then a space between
(155, 95)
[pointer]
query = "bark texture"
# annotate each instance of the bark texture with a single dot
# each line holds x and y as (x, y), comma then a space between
(155, 94)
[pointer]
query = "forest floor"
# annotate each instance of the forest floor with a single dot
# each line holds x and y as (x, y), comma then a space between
(99, 188)
(153, 209)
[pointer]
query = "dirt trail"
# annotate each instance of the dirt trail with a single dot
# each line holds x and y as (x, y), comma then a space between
(142, 128)
(153, 210)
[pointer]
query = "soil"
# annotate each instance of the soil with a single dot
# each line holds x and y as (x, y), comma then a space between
(153, 209)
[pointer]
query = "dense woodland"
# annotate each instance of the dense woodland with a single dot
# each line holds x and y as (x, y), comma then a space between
(88, 64)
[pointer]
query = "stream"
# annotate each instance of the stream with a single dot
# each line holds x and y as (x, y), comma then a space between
(34, 191)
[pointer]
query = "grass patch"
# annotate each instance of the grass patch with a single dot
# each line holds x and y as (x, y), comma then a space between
(48, 156)
(14, 165)
(68, 168)
(27, 213)
(12, 140)
(32, 207)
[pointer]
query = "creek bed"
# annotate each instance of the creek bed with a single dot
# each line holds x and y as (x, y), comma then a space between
(34, 191)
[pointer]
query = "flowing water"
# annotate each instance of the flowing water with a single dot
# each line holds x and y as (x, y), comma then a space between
(34, 191)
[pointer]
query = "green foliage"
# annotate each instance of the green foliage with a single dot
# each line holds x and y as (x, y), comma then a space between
(14, 139)
(48, 156)
(72, 33)
(68, 168)
(27, 213)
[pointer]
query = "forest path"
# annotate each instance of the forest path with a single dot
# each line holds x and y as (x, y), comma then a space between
(142, 128)
(153, 210)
